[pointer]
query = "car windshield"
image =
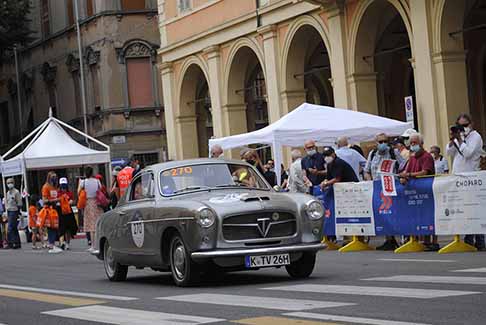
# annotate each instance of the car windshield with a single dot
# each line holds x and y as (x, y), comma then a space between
(209, 176)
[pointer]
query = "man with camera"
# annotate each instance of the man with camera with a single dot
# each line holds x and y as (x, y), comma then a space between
(465, 149)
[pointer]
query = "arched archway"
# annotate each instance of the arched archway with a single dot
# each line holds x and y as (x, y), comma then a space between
(382, 72)
(194, 116)
(307, 69)
(246, 92)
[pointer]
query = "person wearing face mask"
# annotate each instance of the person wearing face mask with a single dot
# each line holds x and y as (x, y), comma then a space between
(313, 165)
(50, 191)
(338, 171)
(135, 164)
(251, 157)
(13, 204)
(465, 149)
(383, 151)
(441, 164)
(421, 163)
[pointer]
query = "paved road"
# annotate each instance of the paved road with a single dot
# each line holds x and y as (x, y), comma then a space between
(355, 288)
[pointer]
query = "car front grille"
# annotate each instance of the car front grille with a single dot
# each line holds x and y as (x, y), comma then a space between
(259, 226)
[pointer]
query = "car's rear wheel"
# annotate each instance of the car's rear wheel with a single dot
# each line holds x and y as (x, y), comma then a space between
(303, 267)
(114, 271)
(184, 271)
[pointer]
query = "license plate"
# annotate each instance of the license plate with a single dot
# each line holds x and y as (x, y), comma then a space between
(267, 260)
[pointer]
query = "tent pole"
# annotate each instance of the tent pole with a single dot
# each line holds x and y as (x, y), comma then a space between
(26, 186)
(25, 139)
(3, 183)
(81, 133)
(277, 156)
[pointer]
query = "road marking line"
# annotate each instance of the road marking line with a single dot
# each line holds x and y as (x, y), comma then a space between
(48, 298)
(67, 293)
(256, 302)
(432, 279)
(267, 320)
(414, 260)
(124, 316)
(354, 320)
(478, 270)
(373, 291)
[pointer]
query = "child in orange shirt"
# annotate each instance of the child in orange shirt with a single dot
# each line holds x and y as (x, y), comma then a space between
(35, 229)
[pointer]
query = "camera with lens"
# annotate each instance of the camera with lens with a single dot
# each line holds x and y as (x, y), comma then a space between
(457, 129)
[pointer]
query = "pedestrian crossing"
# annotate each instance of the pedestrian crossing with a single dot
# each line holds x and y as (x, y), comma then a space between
(308, 303)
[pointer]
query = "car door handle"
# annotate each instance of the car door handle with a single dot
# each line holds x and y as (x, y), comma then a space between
(122, 212)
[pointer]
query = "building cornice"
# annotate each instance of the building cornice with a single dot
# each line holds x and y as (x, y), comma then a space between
(72, 28)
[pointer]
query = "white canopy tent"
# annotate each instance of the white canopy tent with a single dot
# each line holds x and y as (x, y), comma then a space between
(50, 146)
(321, 123)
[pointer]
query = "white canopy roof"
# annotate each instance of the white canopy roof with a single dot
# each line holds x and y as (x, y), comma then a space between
(52, 147)
(321, 123)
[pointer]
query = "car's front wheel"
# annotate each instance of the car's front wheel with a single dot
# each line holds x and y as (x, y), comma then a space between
(303, 267)
(184, 271)
(114, 271)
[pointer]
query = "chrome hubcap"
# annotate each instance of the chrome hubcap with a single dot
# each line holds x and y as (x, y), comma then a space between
(109, 261)
(179, 260)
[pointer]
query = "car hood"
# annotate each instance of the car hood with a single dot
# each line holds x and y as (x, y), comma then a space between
(236, 201)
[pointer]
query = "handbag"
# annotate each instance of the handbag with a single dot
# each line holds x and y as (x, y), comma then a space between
(101, 199)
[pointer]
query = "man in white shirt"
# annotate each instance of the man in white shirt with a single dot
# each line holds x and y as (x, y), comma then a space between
(296, 175)
(466, 148)
(352, 157)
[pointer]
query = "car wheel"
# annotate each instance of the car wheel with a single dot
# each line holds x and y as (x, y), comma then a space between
(114, 271)
(184, 271)
(303, 267)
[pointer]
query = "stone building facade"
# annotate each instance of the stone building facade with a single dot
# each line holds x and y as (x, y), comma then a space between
(120, 39)
(230, 67)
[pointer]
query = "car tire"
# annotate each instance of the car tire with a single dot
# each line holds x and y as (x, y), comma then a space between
(184, 271)
(303, 267)
(114, 270)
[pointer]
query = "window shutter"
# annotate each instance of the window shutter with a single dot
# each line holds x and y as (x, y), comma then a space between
(140, 82)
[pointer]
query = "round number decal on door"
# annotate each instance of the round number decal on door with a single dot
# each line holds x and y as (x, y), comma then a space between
(138, 231)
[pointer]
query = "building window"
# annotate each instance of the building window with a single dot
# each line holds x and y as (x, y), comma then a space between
(147, 159)
(133, 4)
(46, 30)
(184, 5)
(70, 12)
(90, 8)
(139, 57)
(262, 3)
(5, 129)
(139, 76)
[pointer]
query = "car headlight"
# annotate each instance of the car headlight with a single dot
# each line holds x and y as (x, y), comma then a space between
(314, 210)
(205, 217)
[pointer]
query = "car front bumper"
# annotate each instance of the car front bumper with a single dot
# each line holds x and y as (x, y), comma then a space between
(257, 251)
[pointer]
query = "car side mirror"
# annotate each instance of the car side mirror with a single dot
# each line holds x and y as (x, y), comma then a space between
(277, 188)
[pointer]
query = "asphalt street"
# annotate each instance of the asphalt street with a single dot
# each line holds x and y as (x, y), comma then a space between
(346, 288)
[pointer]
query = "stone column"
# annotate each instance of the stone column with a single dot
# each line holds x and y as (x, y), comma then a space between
(187, 139)
(363, 92)
(338, 53)
(272, 72)
(429, 118)
(215, 89)
(452, 91)
(170, 104)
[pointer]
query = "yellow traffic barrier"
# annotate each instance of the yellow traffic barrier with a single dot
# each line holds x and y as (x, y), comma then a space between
(457, 246)
(331, 246)
(412, 246)
(356, 245)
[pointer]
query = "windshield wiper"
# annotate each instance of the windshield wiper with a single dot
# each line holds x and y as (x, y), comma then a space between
(191, 188)
(228, 185)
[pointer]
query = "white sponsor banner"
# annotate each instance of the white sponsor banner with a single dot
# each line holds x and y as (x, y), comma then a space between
(354, 209)
(11, 168)
(460, 202)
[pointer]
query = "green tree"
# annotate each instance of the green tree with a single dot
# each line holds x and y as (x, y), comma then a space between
(14, 25)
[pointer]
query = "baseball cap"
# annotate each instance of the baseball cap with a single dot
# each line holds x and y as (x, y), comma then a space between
(408, 133)
(398, 140)
(327, 151)
(63, 180)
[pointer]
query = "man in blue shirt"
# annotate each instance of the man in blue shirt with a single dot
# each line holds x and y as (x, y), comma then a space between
(313, 165)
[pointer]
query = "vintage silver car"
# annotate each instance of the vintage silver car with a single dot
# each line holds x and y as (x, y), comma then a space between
(192, 216)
